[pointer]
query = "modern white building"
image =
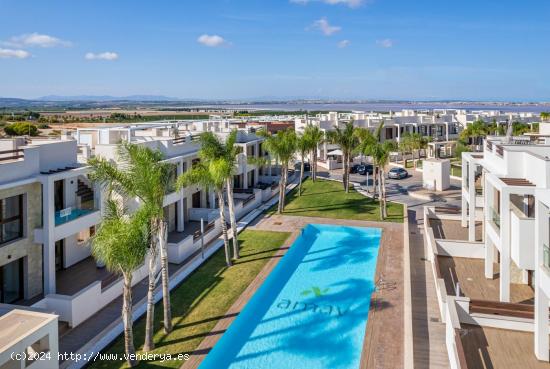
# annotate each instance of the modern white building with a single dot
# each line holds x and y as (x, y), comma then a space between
(49, 209)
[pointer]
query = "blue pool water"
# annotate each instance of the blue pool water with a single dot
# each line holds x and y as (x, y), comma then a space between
(311, 311)
(75, 213)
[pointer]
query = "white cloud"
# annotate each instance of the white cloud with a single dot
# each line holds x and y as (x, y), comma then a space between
(324, 26)
(36, 40)
(11, 53)
(108, 55)
(385, 43)
(211, 40)
(350, 3)
(344, 43)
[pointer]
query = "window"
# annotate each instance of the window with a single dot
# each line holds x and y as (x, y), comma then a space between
(11, 218)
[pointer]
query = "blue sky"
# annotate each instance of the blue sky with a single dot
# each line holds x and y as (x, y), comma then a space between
(233, 49)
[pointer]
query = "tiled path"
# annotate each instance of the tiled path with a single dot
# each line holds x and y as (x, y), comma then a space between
(428, 330)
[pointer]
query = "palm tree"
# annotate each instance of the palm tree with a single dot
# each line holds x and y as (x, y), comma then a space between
(281, 147)
(211, 174)
(121, 244)
(315, 137)
(406, 146)
(212, 148)
(347, 140)
(381, 156)
(474, 132)
(143, 174)
(303, 146)
(544, 116)
(366, 141)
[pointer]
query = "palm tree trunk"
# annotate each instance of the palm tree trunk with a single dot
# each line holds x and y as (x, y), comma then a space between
(232, 219)
(301, 176)
(384, 207)
(127, 320)
(374, 178)
(162, 236)
(149, 343)
(380, 197)
(284, 182)
(314, 164)
(281, 192)
(224, 228)
(414, 161)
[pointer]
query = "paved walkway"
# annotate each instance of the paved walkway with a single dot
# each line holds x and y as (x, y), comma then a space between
(428, 330)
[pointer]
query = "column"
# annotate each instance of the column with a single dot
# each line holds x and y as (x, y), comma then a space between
(489, 247)
(472, 208)
(541, 322)
(541, 298)
(212, 195)
(48, 236)
(446, 131)
(504, 246)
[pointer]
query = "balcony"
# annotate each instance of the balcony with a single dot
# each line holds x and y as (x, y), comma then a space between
(522, 238)
(70, 214)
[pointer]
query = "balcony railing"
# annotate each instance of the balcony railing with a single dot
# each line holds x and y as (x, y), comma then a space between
(495, 217)
(546, 256)
(69, 214)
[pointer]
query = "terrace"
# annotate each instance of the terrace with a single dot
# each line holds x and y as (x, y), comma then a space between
(75, 278)
(453, 230)
(469, 274)
(492, 348)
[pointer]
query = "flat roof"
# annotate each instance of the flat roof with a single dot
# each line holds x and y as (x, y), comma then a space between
(17, 324)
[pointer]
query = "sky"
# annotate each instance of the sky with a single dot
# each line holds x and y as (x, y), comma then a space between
(253, 49)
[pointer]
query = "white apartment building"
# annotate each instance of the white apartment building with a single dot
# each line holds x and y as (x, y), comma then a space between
(49, 209)
(499, 187)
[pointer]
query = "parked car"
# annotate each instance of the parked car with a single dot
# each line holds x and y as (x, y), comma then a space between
(366, 168)
(353, 169)
(307, 167)
(397, 173)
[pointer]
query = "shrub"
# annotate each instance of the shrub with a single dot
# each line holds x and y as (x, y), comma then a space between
(21, 129)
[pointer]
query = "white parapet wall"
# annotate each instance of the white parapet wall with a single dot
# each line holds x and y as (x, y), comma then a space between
(25, 334)
(77, 308)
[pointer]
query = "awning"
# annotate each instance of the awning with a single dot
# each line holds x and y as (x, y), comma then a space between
(335, 152)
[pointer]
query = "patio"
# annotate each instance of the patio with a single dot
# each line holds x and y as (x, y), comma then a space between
(492, 348)
(453, 230)
(80, 275)
(473, 284)
(189, 228)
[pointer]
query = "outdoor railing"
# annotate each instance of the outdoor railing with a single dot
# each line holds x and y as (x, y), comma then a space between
(208, 228)
(546, 256)
(500, 150)
(479, 191)
(11, 154)
(495, 217)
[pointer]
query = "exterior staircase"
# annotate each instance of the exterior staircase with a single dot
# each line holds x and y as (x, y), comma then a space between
(85, 193)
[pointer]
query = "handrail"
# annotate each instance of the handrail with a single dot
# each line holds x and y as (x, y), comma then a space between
(15, 154)
(502, 309)
(460, 350)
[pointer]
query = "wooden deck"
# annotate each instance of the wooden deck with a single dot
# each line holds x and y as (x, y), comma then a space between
(453, 230)
(80, 275)
(430, 351)
(491, 348)
(470, 273)
(383, 344)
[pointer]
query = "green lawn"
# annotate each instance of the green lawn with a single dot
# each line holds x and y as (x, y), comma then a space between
(327, 199)
(203, 298)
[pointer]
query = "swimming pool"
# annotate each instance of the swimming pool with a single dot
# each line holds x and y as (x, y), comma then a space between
(311, 311)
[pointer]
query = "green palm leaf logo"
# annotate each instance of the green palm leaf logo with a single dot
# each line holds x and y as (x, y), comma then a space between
(316, 291)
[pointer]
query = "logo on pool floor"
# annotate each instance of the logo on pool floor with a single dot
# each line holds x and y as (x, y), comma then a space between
(325, 309)
(316, 291)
